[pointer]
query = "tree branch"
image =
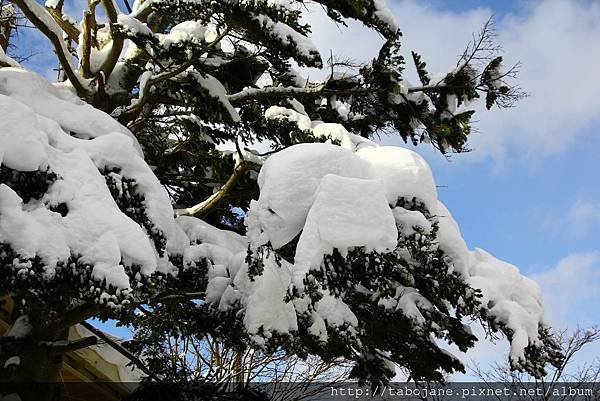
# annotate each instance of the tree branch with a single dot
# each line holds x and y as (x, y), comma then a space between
(249, 95)
(70, 29)
(62, 347)
(131, 112)
(120, 349)
(73, 316)
(117, 41)
(7, 22)
(187, 295)
(355, 10)
(127, 6)
(205, 207)
(86, 46)
(39, 17)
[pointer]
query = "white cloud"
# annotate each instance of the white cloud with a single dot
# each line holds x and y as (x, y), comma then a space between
(559, 46)
(486, 352)
(575, 222)
(582, 217)
(557, 42)
(571, 290)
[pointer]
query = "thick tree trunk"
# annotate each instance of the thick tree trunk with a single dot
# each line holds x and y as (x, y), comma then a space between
(36, 376)
(29, 361)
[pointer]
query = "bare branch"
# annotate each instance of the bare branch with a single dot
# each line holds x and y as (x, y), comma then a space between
(67, 26)
(126, 2)
(62, 347)
(39, 17)
(205, 207)
(117, 41)
(120, 349)
(481, 47)
(86, 46)
(571, 343)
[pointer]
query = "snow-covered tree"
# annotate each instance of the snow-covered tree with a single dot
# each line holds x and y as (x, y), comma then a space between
(328, 245)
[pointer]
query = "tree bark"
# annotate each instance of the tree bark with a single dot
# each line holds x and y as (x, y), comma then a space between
(6, 26)
(36, 376)
(31, 357)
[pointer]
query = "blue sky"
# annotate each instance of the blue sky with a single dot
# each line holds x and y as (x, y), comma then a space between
(529, 192)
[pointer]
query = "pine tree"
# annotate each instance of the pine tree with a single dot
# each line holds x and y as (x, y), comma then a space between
(87, 226)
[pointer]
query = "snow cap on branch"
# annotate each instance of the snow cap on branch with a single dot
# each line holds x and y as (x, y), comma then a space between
(77, 150)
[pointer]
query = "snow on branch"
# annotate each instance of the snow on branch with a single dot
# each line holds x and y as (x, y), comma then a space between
(69, 26)
(80, 138)
(148, 81)
(48, 26)
(116, 44)
(6, 61)
(373, 13)
(375, 204)
(372, 198)
(347, 239)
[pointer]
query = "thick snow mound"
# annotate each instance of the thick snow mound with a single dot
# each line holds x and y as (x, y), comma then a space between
(405, 174)
(346, 212)
(451, 240)
(265, 309)
(513, 300)
(288, 182)
(50, 131)
(334, 197)
(74, 116)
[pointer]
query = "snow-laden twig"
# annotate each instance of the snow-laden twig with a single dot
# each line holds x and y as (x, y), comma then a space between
(145, 87)
(65, 23)
(251, 94)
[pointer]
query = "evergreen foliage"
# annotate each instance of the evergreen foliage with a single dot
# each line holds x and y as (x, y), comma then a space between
(200, 74)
